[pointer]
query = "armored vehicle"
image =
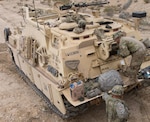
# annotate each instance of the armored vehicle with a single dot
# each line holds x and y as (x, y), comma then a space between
(58, 54)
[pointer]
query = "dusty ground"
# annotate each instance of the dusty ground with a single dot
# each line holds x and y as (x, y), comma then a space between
(18, 103)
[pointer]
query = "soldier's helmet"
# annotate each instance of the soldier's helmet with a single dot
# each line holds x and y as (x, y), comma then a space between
(117, 90)
(118, 34)
(82, 24)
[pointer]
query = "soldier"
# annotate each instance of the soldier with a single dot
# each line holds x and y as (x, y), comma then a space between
(116, 109)
(81, 26)
(130, 46)
(99, 33)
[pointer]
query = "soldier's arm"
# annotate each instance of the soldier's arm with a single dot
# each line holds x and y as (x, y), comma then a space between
(105, 96)
(122, 110)
(123, 49)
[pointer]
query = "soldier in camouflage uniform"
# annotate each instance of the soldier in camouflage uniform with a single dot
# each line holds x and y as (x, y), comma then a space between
(81, 26)
(131, 46)
(116, 108)
(79, 19)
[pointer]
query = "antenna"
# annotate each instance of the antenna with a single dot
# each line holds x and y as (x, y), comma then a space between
(36, 15)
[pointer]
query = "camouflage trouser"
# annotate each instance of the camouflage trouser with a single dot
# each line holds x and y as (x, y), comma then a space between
(78, 30)
(137, 59)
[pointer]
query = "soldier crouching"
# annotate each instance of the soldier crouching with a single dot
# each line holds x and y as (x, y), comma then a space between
(116, 108)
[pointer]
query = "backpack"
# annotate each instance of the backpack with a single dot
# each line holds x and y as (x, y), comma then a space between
(121, 110)
(116, 109)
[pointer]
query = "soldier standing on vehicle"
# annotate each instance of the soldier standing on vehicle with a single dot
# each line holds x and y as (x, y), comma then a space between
(130, 46)
(116, 108)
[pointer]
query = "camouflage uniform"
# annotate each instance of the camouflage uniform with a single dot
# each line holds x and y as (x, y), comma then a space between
(99, 33)
(79, 19)
(116, 109)
(74, 18)
(127, 46)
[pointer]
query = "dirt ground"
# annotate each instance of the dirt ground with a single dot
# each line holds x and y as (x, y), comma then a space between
(18, 103)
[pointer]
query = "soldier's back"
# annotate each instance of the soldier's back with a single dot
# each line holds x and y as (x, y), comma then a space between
(117, 110)
(132, 44)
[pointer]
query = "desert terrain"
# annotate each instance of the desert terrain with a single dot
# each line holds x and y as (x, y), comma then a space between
(18, 103)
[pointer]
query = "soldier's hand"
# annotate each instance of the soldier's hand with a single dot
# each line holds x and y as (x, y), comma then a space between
(104, 95)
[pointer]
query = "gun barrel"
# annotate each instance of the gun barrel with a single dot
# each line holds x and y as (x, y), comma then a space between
(65, 7)
(82, 4)
(97, 3)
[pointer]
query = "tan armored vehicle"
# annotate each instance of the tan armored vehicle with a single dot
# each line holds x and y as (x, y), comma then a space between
(58, 55)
